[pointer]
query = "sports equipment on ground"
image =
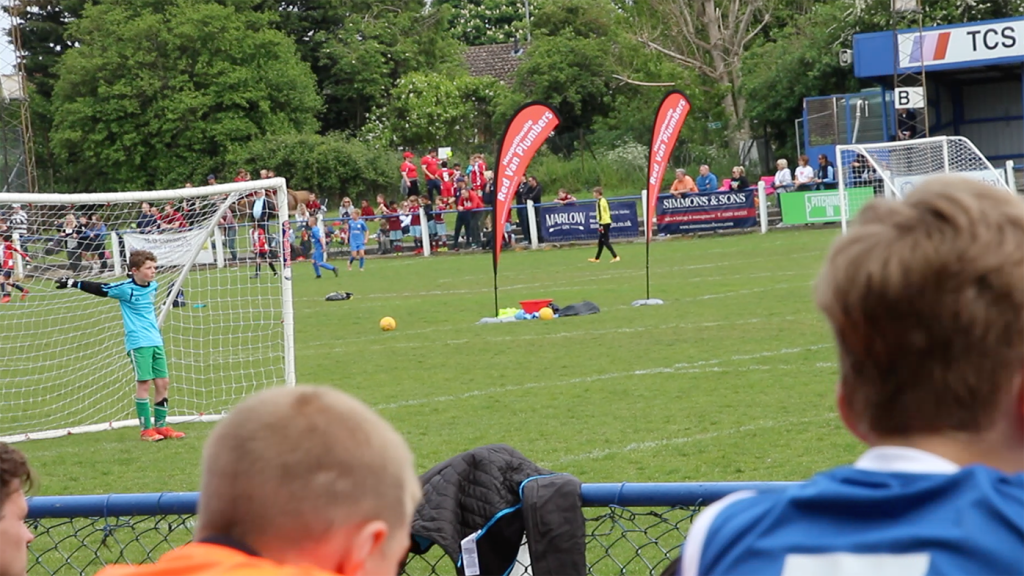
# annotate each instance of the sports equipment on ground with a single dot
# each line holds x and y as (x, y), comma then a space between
(546, 313)
(63, 362)
(388, 324)
(893, 169)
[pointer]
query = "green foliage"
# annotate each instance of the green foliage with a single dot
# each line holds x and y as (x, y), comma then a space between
(331, 165)
(365, 58)
(430, 109)
(873, 15)
(799, 60)
(155, 98)
(570, 62)
(622, 171)
(483, 22)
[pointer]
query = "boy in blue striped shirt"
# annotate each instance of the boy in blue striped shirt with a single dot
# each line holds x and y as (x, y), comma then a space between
(142, 339)
(926, 302)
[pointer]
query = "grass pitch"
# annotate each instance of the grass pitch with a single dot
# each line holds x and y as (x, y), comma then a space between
(732, 379)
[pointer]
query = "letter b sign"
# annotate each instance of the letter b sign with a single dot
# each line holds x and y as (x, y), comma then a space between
(909, 98)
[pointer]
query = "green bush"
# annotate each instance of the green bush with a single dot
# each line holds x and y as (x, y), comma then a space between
(334, 165)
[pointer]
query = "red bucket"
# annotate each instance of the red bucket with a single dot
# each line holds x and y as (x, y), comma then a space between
(531, 306)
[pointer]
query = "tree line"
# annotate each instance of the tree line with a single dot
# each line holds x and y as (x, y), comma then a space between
(145, 94)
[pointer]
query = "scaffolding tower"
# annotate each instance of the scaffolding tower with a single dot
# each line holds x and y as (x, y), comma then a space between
(17, 158)
(910, 86)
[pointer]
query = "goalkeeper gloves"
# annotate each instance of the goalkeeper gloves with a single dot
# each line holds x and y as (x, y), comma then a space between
(66, 282)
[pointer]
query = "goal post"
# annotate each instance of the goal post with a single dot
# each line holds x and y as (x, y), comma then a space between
(228, 331)
(893, 169)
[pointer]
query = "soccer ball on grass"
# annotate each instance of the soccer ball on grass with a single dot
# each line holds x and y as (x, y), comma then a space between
(388, 324)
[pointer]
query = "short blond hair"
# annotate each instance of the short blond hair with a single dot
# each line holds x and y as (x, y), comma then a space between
(289, 464)
(926, 300)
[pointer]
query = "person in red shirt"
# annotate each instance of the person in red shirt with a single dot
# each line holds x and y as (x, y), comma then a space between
(414, 224)
(448, 176)
(7, 252)
(313, 205)
(564, 197)
(477, 174)
(261, 249)
(365, 210)
(410, 181)
(394, 227)
(171, 218)
(431, 173)
(439, 230)
(464, 219)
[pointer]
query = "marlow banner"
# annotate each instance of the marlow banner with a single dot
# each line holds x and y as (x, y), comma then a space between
(667, 124)
(821, 206)
(706, 212)
(575, 223)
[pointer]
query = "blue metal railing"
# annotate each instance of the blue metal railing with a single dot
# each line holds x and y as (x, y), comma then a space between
(594, 495)
(631, 528)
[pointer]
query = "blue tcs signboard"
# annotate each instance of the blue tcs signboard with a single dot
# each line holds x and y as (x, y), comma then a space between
(574, 222)
(706, 212)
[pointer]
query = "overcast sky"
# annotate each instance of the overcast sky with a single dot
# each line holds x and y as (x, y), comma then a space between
(6, 50)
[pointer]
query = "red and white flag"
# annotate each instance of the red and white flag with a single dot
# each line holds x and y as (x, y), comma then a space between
(667, 124)
(524, 135)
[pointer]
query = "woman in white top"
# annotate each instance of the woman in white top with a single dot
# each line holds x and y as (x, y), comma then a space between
(804, 174)
(783, 179)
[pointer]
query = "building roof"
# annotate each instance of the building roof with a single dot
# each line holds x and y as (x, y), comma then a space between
(496, 60)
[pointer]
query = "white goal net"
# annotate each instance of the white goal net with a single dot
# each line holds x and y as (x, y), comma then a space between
(63, 364)
(892, 169)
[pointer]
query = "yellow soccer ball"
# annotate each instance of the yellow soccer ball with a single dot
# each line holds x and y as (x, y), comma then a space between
(388, 324)
(546, 314)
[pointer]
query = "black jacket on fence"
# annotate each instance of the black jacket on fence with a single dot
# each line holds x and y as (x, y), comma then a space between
(496, 490)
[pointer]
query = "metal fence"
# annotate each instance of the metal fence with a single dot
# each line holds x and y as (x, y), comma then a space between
(631, 528)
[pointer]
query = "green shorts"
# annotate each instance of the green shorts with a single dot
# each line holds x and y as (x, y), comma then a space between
(149, 362)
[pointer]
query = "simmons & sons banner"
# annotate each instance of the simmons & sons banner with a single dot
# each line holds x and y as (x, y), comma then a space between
(707, 211)
(579, 222)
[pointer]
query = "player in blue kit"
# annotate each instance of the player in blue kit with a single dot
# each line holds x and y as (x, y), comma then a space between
(926, 302)
(319, 242)
(357, 232)
(142, 339)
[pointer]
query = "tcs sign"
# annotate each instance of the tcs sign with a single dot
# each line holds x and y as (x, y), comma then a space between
(962, 45)
(993, 38)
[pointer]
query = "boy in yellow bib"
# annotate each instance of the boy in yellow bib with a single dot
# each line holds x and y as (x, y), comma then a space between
(604, 227)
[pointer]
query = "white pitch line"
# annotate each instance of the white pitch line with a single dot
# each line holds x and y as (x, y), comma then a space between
(484, 338)
(650, 444)
(588, 277)
(680, 368)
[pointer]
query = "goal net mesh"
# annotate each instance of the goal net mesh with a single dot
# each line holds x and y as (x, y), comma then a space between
(63, 364)
(893, 169)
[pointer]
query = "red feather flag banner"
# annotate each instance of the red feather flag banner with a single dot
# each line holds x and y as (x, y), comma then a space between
(525, 134)
(667, 123)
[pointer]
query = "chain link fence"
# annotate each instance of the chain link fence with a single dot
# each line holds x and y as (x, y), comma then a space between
(632, 529)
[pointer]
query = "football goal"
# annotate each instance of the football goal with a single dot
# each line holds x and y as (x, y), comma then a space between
(892, 169)
(226, 318)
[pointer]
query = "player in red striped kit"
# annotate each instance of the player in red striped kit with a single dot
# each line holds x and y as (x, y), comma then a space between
(7, 252)
(261, 249)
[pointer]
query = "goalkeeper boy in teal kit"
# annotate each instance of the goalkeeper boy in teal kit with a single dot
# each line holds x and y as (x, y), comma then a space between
(142, 339)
